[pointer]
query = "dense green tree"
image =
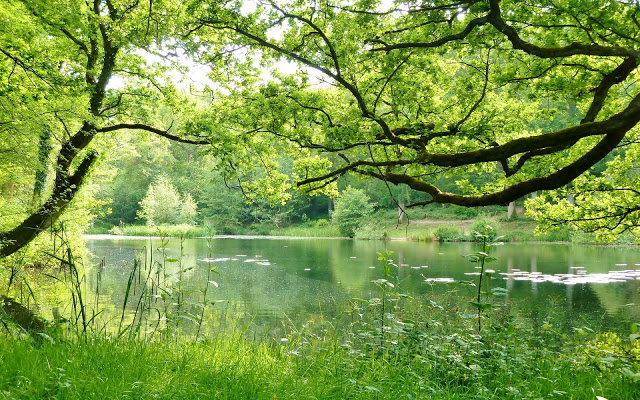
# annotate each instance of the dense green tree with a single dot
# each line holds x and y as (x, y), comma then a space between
(353, 209)
(78, 69)
(503, 98)
(161, 204)
(528, 96)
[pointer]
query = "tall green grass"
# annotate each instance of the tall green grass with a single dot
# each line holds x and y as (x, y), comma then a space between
(183, 230)
(391, 346)
(305, 230)
(449, 364)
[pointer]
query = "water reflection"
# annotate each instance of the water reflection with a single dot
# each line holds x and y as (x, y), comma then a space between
(270, 280)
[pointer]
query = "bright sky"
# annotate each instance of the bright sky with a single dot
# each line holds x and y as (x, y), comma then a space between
(197, 76)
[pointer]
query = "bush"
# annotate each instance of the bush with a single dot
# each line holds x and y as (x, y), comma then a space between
(555, 235)
(184, 230)
(480, 225)
(519, 236)
(448, 233)
(369, 231)
(164, 205)
(353, 208)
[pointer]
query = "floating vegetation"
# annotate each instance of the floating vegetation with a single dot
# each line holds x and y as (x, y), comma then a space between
(248, 260)
(581, 276)
(210, 260)
(445, 280)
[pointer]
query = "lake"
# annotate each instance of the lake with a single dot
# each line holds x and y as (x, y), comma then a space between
(266, 282)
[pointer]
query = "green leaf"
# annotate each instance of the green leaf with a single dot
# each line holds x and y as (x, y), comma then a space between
(500, 292)
(481, 306)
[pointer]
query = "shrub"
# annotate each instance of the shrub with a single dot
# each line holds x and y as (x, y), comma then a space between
(448, 233)
(519, 236)
(368, 231)
(164, 205)
(353, 208)
(555, 235)
(480, 224)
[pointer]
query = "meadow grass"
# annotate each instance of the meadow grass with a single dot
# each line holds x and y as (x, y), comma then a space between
(384, 227)
(184, 230)
(305, 230)
(448, 366)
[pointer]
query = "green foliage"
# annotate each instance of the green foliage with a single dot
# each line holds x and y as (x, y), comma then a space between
(370, 230)
(487, 227)
(448, 233)
(188, 210)
(486, 236)
(608, 351)
(324, 230)
(353, 208)
(164, 205)
(185, 230)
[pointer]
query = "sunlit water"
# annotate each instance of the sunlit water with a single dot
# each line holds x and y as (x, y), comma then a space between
(268, 281)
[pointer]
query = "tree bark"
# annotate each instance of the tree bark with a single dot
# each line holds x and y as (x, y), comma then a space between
(64, 192)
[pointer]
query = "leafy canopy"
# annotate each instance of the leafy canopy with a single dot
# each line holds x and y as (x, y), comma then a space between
(531, 96)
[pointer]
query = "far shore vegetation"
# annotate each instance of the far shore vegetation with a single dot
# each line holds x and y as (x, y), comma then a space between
(482, 121)
(445, 226)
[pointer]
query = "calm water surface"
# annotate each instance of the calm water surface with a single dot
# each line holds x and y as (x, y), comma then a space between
(271, 280)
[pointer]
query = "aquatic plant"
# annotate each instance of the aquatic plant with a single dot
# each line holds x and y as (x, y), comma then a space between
(481, 258)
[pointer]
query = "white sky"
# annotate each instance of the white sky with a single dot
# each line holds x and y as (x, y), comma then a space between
(197, 76)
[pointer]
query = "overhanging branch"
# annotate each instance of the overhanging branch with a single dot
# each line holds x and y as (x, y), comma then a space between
(159, 132)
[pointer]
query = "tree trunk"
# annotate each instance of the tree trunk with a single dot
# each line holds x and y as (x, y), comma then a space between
(511, 209)
(44, 152)
(21, 316)
(401, 213)
(65, 188)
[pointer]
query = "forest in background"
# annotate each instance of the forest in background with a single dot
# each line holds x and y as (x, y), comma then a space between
(452, 108)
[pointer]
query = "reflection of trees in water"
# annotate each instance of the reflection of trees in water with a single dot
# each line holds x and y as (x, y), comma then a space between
(266, 295)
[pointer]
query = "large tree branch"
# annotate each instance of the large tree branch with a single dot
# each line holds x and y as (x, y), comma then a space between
(620, 122)
(436, 43)
(513, 192)
(613, 129)
(495, 19)
(618, 75)
(575, 48)
(65, 189)
(159, 132)
(352, 167)
(337, 76)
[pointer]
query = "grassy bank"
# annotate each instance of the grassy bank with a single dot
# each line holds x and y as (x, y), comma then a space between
(184, 230)
(504, 364)
(391, 346)
(382, 226)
